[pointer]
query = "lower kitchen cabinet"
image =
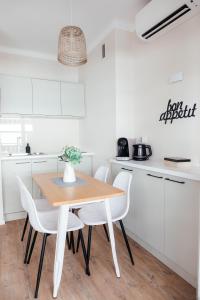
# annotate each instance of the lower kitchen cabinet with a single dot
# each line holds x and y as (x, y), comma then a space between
(181, 223)
(11, 197)
(163, 217)
(41, 165)
(148, 208)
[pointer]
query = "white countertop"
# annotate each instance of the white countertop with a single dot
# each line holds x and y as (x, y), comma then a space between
(6, 157)
(187, 172)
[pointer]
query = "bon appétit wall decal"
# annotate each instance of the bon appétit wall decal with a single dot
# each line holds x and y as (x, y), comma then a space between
(177, 110)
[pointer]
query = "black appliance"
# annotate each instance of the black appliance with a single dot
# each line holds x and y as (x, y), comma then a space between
(141, 152)
(122, 149)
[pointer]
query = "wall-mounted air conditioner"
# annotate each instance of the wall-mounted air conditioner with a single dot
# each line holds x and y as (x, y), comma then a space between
(159, 16)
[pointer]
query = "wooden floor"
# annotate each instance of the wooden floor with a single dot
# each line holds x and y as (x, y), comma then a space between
(149, 279)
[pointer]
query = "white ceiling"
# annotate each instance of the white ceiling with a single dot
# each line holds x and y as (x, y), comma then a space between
(34, 25)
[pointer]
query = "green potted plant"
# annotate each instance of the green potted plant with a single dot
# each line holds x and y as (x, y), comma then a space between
(71, 156)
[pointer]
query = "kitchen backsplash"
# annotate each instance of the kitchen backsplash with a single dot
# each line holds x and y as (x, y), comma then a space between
(43, 135)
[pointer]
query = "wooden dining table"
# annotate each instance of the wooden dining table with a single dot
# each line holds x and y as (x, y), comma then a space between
(90, 190)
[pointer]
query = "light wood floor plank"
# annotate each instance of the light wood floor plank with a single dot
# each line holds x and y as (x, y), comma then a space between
(149, 279)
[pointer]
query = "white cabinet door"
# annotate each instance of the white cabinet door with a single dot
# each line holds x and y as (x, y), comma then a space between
(181, 223)
(11, 196)
(46, 97)
(39, 165)
(85, 165)
(72, 99)
(15, 95)
(148, 213)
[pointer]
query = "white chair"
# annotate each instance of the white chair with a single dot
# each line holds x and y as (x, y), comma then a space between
(102, 175)
(95, 214)
(46, 223)
(41, 205)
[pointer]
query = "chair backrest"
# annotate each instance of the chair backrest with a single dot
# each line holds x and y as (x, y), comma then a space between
(119, 206)
(28, 205)
(102, 173)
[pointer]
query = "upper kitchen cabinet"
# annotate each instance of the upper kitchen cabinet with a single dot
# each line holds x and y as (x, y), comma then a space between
(46, 97)
(72, 99)
(15, 95)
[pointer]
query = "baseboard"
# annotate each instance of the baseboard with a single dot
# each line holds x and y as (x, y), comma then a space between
(15, 216)
(172, 265)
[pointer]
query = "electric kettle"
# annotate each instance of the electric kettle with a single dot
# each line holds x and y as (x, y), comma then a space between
(141, 152)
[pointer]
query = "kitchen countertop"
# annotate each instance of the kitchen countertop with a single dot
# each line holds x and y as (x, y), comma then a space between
(190, 172)
(6, 157)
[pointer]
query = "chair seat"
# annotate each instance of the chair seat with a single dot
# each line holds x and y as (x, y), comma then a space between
(49, 221)
(43, 205)
(93, 214)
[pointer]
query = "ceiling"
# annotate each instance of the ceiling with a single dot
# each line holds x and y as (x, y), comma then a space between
(34, 25)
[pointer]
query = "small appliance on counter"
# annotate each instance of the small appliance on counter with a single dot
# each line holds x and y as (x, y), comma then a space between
(122, 149)
(141, 152)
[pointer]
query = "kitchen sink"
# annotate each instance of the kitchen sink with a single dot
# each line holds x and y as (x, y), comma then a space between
(25, 154)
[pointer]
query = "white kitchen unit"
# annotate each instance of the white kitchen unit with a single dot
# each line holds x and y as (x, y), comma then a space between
(181, 222)
(11, 199)
(42, 165)
(72, 99)
(25, 167)
(15, 95)
(163, 214)
(148, 208)
(46, 97)
(41, 97)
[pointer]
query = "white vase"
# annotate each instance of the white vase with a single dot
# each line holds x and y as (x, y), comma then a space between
(69, 174)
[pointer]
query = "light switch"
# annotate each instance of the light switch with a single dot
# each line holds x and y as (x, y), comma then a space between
(176, 77)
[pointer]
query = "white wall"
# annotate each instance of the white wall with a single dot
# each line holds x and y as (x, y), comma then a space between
(152, 64)
(130, 87)
(97, 130)
(47, 135)
(35, 67)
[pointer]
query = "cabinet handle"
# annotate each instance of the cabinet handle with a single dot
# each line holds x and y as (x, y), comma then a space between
(176, 181)
(159, 177)
(39, 162)
(127, 169)
(23, 163)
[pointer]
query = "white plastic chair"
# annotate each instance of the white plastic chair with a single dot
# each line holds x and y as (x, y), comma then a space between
(100, 174)
(45, 223)
(41, 205)
(95, 214)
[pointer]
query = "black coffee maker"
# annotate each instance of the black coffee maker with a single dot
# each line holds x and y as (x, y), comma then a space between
(122, 149)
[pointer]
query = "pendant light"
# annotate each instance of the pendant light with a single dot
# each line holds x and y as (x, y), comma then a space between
(72, 45)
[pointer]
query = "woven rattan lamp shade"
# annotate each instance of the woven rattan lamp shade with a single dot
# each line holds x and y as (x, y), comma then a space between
(72, 46)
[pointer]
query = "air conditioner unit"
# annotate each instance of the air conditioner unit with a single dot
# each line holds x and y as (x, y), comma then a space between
(159, 16)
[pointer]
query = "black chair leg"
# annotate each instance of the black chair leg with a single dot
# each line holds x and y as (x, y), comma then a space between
(68, 242)
(80, 234)
(72, 242)
(89, 247)
(28, 244)
(126, 241)
(40, 264)
(32, 247)
(24, 229)
(78, 241)
(106, 232)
